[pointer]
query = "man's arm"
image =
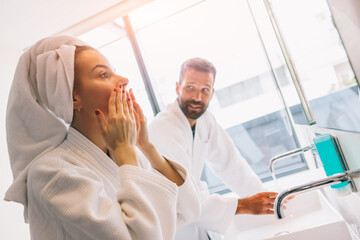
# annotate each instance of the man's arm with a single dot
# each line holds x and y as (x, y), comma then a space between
(228, 164)
(216, 210)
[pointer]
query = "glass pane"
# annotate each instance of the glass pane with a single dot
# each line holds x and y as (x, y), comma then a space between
(246, 101)
(321, 62)
(111, 41)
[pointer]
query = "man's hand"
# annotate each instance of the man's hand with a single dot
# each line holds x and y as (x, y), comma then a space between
(259, 204)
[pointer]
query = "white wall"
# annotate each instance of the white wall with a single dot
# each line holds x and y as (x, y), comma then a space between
(12, 225)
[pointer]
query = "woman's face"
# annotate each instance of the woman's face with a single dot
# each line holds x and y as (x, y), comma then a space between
(94, 81)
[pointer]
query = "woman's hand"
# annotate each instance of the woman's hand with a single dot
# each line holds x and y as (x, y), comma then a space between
(119, 131)
(141, 124)
(156, 160)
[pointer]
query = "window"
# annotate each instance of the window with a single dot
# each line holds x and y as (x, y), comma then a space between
(246, 102)
(321, 62)
(255, 99)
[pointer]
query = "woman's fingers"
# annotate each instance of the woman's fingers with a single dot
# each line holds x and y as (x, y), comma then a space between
(134, 103)
(119, 101)
(118, 127)
(130, 107)
(136, 115)
(136, 109)
(112, 102)
(136, 106)
(125, 104)
(132, 95)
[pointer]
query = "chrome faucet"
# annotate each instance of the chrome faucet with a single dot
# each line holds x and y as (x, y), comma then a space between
(347, 176)
(286, 155)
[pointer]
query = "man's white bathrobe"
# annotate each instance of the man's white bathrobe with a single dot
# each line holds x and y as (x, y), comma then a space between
(171, 133)
(76, 191)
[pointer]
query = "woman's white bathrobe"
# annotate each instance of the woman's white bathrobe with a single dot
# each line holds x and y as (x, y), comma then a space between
(76, 191)
(171, 133)
(69, 188)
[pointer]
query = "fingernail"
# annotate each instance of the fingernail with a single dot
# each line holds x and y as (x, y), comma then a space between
(120, 86)
(115, 90)
(123, 91)
(128, 99)
(97, 112)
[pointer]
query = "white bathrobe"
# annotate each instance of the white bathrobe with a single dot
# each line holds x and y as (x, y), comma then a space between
(77, 192)
(171, 133)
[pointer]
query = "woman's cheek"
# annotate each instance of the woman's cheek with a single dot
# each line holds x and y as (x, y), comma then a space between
(105, 100)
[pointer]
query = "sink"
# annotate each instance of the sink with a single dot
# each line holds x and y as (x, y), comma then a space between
(307, 216)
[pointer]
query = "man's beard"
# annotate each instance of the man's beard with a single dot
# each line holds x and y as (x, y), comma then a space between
(192, 114)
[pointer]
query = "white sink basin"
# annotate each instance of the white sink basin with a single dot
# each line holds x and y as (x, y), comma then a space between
(308, 216)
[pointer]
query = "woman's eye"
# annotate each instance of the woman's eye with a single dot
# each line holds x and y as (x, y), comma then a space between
(104, 75)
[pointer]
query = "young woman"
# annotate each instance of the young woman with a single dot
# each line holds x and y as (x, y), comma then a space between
(72, 131)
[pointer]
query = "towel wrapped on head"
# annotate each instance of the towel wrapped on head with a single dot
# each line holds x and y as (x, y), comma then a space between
(40, 106)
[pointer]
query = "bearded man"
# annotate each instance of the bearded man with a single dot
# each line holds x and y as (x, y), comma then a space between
(189, 134)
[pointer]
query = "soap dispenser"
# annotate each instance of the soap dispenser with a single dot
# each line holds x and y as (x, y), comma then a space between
(331, 156)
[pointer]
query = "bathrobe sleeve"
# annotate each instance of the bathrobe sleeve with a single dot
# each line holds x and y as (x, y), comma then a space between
(188, 201)
(145, 207)
(188, 198)
(217, 211)
(226, 162)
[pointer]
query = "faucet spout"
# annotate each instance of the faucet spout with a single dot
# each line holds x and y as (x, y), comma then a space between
(328, 181)
(286, 155)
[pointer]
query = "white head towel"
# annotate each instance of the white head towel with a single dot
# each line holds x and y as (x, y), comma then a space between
(40, 101)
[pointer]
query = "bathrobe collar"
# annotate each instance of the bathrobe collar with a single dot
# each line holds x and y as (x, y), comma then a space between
(80, 144)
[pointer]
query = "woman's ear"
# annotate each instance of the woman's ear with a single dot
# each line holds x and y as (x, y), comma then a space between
(76, 103)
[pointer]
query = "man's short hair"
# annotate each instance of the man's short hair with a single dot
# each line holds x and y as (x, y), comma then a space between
(198, 64)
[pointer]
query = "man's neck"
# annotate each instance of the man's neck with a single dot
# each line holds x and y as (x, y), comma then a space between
(191, 121)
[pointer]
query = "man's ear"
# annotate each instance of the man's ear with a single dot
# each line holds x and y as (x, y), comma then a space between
(177, 88)
(212, 93)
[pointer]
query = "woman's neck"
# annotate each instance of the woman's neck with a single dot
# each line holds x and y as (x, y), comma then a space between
(89, 127)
